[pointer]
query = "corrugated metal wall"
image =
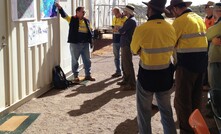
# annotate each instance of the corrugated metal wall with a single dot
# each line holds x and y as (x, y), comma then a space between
(26, 72)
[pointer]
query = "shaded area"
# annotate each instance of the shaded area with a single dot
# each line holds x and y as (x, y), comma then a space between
(205, 112)
(101, 43)
(95, 87)
(96, 103)
(127, 127)
(130, 126)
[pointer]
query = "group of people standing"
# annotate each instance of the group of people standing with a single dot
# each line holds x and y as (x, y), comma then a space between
(124, 25)
(156, 41)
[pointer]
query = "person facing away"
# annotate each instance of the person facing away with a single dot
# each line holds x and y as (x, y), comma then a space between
(209, 19)
(117, 23)
(126, 32)
(192, 59)
(79, 37)
(154, 41)
(214, 35)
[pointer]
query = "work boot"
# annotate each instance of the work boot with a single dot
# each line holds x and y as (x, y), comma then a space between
(89, 78)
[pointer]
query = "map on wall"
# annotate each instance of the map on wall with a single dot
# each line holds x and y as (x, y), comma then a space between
(48, 8)
(23, 9)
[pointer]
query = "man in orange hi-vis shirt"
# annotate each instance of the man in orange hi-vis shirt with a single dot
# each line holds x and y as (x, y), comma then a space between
(209, 19)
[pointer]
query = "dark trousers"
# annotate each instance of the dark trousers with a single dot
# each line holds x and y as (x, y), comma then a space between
(127, 66)
(187, 96)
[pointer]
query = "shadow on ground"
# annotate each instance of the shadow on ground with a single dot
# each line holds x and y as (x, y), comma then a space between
(95, 87)
(96, 103)
(130, 126)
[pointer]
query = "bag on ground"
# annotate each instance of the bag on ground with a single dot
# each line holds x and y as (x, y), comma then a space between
(59, 78)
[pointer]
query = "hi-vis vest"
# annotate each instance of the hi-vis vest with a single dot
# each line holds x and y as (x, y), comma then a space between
(155, 40)
(190, 29)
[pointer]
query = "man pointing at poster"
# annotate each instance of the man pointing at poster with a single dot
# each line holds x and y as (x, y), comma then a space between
(79, 37)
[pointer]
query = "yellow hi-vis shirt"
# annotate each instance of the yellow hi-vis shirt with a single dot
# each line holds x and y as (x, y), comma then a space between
(155, 41)
(190, 30)
(82, 25)
(118, 23)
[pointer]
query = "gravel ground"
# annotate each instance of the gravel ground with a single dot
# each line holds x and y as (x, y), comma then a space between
(99, 107)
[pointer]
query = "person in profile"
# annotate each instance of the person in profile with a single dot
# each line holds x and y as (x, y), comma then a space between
(117, 23)
(79, 37)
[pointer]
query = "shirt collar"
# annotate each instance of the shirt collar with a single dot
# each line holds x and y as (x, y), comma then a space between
(154, 17)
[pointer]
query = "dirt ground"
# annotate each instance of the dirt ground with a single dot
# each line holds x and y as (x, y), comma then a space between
(99, 107)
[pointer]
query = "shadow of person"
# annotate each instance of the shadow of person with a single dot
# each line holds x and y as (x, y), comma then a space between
(95, 87)
(127, 127)
(96, 103)
(130, 126)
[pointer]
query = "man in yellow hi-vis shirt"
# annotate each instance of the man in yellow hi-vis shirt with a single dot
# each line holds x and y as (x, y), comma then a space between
(192, 59)
(117, 23)
(79, 37)
(154, 41)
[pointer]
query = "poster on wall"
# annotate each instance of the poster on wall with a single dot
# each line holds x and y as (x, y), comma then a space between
(48, 9)
(23, 10)
(37, 33)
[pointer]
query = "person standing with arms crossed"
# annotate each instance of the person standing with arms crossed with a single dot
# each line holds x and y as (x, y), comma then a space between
(214, 35)
(117, 23)
(154, 41)
(209, 21)
(126, 32)
(191, 63)
(79, 37)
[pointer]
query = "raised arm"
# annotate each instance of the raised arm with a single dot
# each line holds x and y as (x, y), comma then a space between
(62, 12)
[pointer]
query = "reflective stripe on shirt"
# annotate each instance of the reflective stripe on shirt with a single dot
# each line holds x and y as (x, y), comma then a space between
(189, 50)
(193, 35)
(153, 67)
(157, 50)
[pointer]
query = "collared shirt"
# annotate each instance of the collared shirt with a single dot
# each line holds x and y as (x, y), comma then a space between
(117, 23)
(154, 40)
(192, 43)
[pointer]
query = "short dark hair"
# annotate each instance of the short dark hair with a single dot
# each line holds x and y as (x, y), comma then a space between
(78, 9)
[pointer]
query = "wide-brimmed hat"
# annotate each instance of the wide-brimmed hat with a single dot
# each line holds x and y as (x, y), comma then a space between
(158, 5)
(175, 3)
(217, 6)
(129, 9)
(209, 3)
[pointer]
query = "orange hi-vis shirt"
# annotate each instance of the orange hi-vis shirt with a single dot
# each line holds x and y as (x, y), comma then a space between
(209, 21)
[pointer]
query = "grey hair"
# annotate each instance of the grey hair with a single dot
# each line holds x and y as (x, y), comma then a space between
(117, 9)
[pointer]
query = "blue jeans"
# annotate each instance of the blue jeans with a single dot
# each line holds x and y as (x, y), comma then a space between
(214, 75)
(144, 102)
(77, 50)
(116, 51)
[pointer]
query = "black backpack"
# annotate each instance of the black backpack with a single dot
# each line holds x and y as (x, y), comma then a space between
(59, 78)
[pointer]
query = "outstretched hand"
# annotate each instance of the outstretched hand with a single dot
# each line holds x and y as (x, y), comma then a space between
(58, 5)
